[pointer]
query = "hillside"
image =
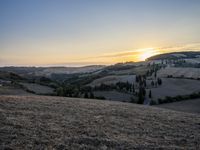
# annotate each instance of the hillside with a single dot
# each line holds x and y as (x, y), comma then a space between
(175, 55)
(173, 87)
(41, 122)
(178, 72)
(191, 106)
(48, 71)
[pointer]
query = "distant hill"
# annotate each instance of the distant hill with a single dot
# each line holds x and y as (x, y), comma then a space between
(175, 55)
(47, 71)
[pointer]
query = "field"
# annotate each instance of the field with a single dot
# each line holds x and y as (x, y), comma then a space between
(114, 95)
(173, 87)
(191, 106)
(8, 90)
(113, 79)
(68, 70)
(193, 61)
(170, 87)
(38, 89)
(41, 122)
(180, 72)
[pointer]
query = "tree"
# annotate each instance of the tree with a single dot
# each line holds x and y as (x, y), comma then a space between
(155, 74)
(148, 72)
(133, 87)
(141, 95)
(159, 81)
(91, 95)
(86, 95)
(152, 83)
(143, 91)
(150, 95)
(127, 86)
(145, 83)
(136, 79)
(60, 91)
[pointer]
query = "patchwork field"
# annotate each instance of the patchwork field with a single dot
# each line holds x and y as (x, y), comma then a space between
(41, 122)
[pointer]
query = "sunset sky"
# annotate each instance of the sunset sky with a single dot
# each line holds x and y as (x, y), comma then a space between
(85, 32)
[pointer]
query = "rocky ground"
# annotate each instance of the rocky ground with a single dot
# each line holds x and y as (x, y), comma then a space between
(41, 122)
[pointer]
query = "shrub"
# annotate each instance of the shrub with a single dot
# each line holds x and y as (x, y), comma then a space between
(160, 101)
(152, 102)
(100, 97)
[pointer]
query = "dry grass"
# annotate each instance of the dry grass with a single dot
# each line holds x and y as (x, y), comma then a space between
(113, 79)
(114, 95)
(9, 90)
(38, 89)
(191, 106)
(41, 122)
(180, 72)
(173, 87)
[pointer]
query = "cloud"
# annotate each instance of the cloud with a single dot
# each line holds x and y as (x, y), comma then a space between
(134, 52)
(183, 47)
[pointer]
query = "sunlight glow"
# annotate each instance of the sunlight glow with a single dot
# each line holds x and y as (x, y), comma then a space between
(146, 53)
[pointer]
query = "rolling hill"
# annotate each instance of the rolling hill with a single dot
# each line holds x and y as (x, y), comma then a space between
(42, 122)
(48, 71)
(175, 55)
(191, 106)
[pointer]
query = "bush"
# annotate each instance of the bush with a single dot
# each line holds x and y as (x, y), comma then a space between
(160, 101)
(169, 99)
(179, 98)
(100, 97)
(194, 95)
(153, 102)
(133, 100)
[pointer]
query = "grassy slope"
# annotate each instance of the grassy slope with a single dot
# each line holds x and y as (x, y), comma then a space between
(34, 122)
(38, 89)
(173, 87)
(180, 72)
(192, 106)
(11, 90)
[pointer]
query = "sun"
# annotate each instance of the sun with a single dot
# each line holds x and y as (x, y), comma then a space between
(146, 53)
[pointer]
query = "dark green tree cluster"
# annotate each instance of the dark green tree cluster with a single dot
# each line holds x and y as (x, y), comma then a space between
(141, 81)
(120, 86)
(141, 95)
(159, 80)
(150, 94)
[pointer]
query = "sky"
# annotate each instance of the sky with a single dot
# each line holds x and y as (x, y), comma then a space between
(86, 32)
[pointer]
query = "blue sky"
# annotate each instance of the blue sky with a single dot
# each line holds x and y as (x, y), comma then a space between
(39, 32)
